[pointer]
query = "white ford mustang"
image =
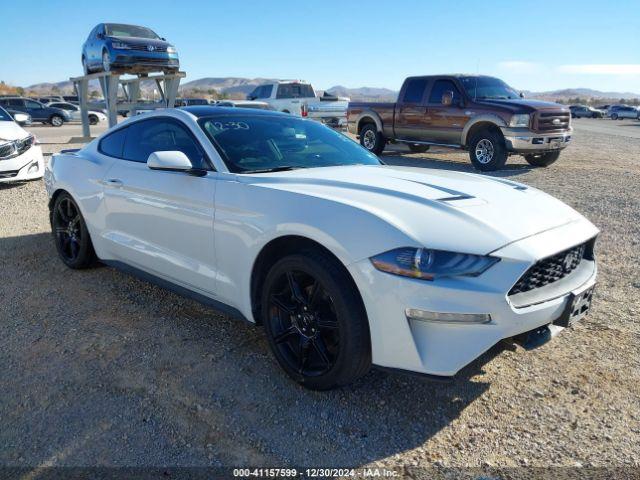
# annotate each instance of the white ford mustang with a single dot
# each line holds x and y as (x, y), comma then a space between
(345, 261)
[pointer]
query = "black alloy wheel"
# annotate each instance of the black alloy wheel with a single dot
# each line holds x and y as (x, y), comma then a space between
(71, 235)
(315, 322)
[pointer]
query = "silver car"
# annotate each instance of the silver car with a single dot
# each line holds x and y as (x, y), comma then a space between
(618, 112)
(76, 115)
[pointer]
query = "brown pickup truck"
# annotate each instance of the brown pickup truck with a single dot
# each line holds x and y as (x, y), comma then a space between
(473, 112)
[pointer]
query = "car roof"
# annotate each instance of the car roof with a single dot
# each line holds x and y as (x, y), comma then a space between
(209, 110)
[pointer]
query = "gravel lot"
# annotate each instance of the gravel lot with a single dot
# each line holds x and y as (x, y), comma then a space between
(102, 369)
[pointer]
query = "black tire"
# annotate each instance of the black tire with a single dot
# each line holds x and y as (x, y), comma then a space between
(85, 67)
(614, 116)
(372, 139)
(93, 120)
(416, 148)
(56, 120)
(542, 159)
(324, 354)
(106, 61)
(487, 150)
(595, 115)
(70, 233)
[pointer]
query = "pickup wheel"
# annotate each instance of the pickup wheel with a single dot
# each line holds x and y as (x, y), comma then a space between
(542, 159)
(487, 150)
(416, 148)
(372, 139)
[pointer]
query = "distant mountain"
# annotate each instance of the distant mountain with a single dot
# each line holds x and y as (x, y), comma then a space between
(364, 93)
(239, 87)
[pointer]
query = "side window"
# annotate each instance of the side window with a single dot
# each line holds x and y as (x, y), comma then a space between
(159, 135)
(113, 144)
(265, 91)
(32, 104)
(15, 102)
(441, 86)
(415, 90)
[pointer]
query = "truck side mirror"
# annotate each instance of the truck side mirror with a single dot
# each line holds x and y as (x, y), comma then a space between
(447, 98)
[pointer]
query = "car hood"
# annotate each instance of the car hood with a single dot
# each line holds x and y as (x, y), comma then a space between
(12, 131)
(436, 208)
(523, 105)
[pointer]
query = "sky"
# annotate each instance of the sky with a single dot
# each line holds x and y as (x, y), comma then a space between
(539, 46)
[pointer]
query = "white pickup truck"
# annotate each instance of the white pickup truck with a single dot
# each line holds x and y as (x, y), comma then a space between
(299, 98)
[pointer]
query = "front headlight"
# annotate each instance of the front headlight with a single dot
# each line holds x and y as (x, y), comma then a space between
(428, 264)
(120, 46)
(520, 120)
(171, 49)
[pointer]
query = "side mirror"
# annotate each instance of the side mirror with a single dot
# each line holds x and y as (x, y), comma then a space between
(100, 36)
(447, 98)
(521, 94)
(173, 161)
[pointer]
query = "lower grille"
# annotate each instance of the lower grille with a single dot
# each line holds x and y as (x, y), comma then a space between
(9, 173)
(145, 48)
(552, 269)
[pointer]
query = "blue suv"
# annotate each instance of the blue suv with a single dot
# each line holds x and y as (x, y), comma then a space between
(116, 46)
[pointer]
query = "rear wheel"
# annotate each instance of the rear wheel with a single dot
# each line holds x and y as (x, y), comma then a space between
(93, 120)
(614, 116)
(71, 235)
(487, 150)
(417, 148)
(542, 159)
(315, 321)
(372, 139)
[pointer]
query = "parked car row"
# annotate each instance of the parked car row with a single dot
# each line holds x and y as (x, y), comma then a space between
(54, 113)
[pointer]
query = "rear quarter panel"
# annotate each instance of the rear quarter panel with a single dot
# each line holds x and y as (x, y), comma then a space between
(380, 113)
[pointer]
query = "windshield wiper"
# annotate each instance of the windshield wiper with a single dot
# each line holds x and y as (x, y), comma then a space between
(274, 169)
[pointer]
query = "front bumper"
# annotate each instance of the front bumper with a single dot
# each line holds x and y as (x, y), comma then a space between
(440, 348)
(28, 166)
(142, 60)
(521, 140)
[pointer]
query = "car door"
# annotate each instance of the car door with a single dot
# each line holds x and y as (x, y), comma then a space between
(162, 221)
(35, 109)
(410, 110)
(444, 123)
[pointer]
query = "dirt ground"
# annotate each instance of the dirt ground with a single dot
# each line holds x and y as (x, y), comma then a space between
(99, 368)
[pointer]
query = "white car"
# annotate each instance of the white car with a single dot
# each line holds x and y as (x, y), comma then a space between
(300, 99)
(345, 261)
(74, 111)
(20, 157)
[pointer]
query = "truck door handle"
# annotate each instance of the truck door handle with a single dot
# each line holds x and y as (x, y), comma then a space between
(113, 182)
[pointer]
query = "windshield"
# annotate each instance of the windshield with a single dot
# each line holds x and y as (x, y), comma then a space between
(488, 87)
(121, 30)
(260, 143)
(4, 116)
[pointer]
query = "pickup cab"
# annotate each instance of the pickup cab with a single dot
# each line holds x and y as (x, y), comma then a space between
(299, 98)
(477, 113)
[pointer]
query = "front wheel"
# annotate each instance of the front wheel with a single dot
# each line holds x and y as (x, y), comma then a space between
(85, 67)
(106, 61)
(56, 120)
(71, 235)
(315, 322)
(487, 150)
(542, 159)
(614, 116)
(417, 148)
(93, 120)
(372, 139)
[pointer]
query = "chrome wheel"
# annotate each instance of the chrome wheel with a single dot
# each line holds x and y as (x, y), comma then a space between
(369, 139)
(66, 222)
(56, 121)
(484, 151)
(106, 62)
(304, 323)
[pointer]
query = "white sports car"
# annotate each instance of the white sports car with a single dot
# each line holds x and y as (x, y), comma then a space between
(20, 157)
(345, 261)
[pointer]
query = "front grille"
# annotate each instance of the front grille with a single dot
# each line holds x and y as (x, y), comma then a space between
(552, 269)
(7, 149)
(144, 48)
(551, 121)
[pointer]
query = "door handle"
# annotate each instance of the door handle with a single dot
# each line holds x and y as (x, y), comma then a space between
(113, 182)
